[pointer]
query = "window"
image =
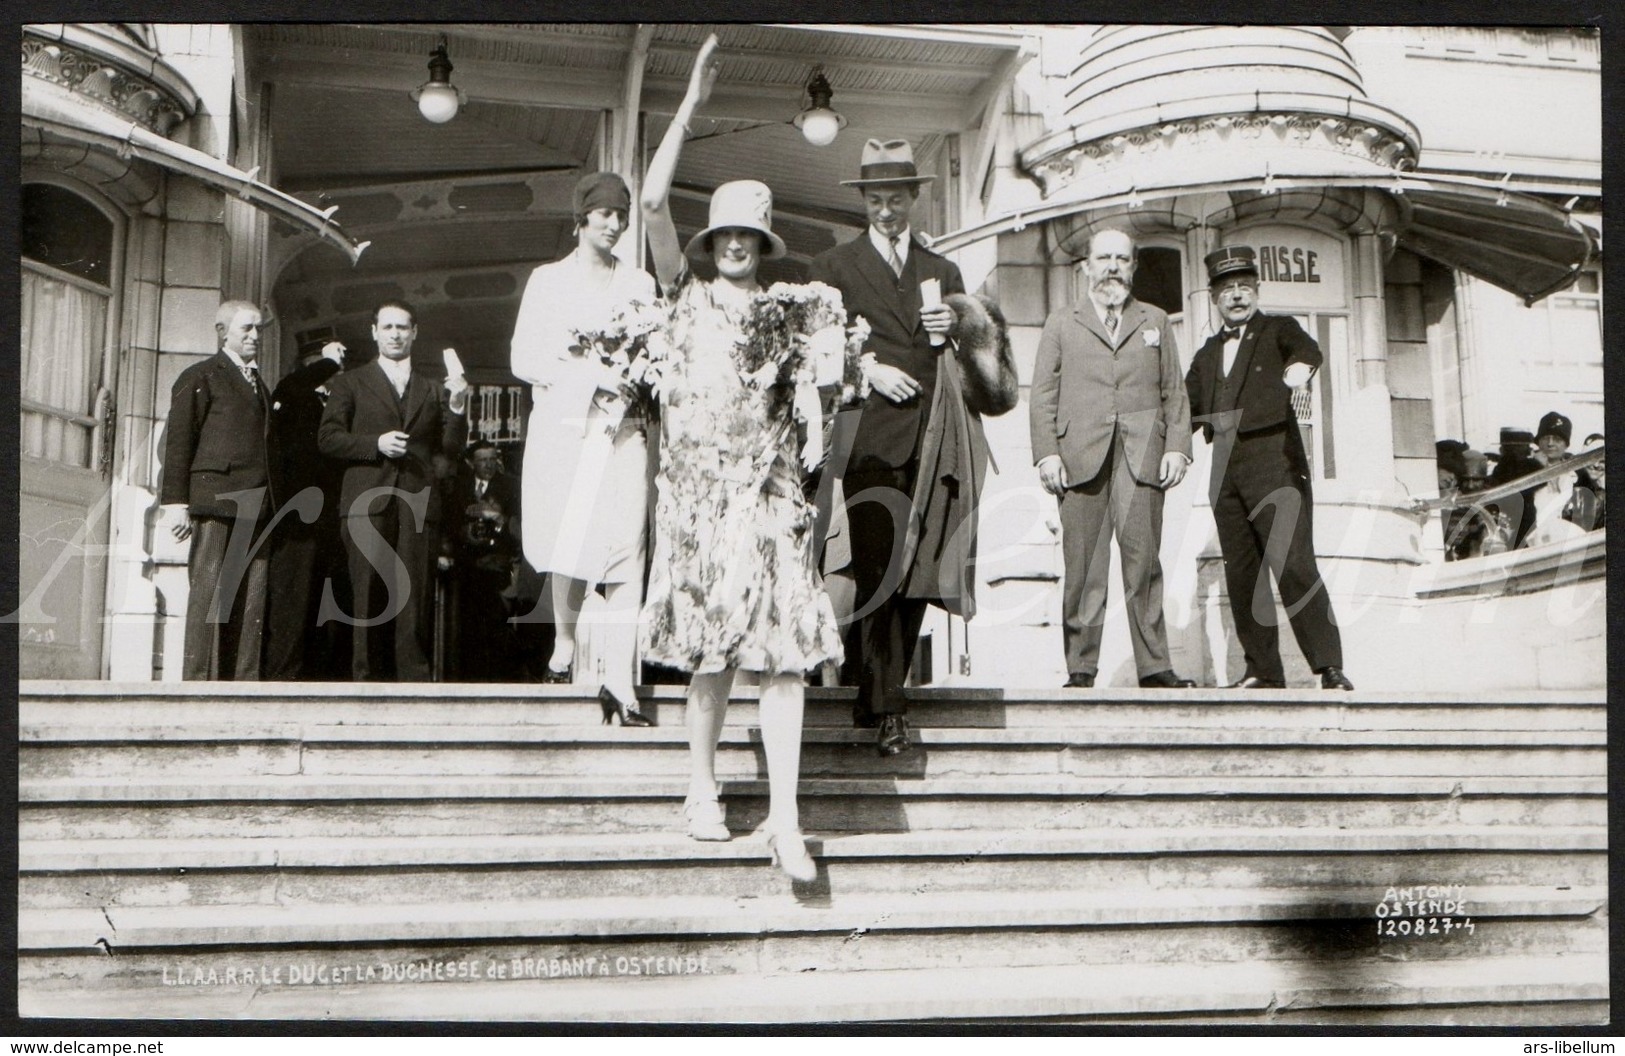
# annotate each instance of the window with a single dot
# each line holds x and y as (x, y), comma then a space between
(1158, 275)
(1313, 403)
(67, 298)
(1566, 368)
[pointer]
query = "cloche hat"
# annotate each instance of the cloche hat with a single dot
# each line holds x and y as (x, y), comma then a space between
(740, 203)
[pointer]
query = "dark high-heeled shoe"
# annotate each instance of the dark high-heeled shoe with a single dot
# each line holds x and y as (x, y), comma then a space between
(551, 677)
(629, 713)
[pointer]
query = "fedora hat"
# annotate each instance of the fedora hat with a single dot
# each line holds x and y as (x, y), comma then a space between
(740, 203)
(888, 162)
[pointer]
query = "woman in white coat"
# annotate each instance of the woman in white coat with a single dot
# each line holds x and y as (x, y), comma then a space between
(585, 482)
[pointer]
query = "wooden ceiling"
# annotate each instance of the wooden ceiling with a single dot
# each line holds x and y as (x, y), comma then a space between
(458, 213)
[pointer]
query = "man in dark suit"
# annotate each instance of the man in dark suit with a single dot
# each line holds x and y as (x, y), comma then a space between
(216, 492)
(1240, 385)
(304, 554)
(478, 554)
(1516, 459)
(387, 425)
(1110, 432)
(879, 275)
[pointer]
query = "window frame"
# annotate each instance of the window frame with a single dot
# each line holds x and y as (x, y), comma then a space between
(103, 397)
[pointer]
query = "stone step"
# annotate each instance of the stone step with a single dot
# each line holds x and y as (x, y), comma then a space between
(1254, 993)
(384, 806)
(271, 870)
(212, 750)
(803, 908)
(182, 704)
(1349, 941)
(810, 930)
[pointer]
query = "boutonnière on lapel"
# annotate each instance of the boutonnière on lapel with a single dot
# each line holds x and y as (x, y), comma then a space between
(1152, 337)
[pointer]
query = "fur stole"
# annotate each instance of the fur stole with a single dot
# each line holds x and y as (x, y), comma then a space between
(982, 348)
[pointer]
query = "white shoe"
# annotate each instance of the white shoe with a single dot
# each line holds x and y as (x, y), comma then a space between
(790, 855)
(705, 820)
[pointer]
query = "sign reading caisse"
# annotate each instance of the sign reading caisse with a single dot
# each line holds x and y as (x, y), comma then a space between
(1297, 267)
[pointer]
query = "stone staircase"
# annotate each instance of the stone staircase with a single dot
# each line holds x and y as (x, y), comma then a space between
(1118, 856)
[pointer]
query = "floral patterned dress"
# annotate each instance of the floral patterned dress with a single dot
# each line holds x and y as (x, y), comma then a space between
(732, 583)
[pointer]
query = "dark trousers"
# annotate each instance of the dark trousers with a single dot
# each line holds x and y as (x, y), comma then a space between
(303, 558)
(480, 644)
(887, 627)
(1264, 511)
(389, 572)
(225, 606)
(1113, 503)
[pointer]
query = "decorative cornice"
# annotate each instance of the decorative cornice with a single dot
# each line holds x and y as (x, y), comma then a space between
(113, 88)
(1190, 139)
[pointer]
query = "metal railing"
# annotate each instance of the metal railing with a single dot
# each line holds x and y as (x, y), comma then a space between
(1489, 496)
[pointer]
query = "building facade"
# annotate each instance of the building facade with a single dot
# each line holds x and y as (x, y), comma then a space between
(1414, 202)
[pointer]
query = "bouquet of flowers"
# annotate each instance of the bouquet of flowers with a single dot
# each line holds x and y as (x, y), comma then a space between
(854, 387)
(780, 326)
(634, 345)
(797, 332)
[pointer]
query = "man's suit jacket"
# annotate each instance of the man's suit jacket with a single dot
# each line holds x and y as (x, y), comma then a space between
(296, 415)
(1087, 387)
(1269, 345)
(363, 406)
(218, 439)
(465, 537)
(887, 431)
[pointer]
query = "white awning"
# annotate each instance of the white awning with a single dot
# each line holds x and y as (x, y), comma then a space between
(63, 117)
(1514, 241)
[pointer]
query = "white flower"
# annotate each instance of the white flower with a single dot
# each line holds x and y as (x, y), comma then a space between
(1152, 337)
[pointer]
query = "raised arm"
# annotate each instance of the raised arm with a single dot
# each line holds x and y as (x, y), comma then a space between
(664, 248)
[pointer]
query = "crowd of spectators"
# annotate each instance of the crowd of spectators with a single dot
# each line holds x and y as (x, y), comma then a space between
(1553, 507)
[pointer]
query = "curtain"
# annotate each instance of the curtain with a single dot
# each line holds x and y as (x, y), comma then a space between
(64, 328)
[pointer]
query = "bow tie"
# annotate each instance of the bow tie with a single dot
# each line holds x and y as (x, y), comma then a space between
(1232, 333)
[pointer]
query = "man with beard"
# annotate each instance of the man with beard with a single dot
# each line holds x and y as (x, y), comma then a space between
(1111, 432)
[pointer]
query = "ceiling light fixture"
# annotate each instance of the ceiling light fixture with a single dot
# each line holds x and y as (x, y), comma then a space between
(438, 99)
(818, 123)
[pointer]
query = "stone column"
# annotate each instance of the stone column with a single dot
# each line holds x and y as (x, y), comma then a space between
(1364, 433)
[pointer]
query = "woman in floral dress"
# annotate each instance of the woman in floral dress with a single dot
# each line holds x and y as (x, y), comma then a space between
(733, 584)
(585, 491)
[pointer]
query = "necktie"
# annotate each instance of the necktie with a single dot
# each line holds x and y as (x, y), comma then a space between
(1231, 333)
(251, 376)
(893, 259)
(479, 489)
(1111, 323)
